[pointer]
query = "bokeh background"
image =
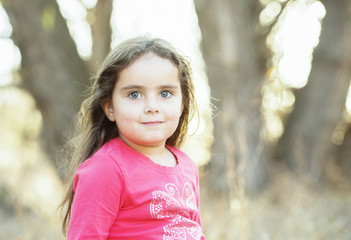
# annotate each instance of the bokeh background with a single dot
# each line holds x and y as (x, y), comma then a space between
(272, 78)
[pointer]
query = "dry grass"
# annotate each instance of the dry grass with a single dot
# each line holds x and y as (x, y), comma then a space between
(287, 210)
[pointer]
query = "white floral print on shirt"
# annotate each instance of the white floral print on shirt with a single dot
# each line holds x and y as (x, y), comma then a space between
(178, 208)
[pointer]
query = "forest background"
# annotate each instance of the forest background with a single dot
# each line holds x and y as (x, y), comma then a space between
(272, 80)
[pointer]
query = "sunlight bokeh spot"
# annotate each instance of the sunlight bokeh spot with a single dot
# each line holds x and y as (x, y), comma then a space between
(293, 41)
(270, 12)
(89, 3)
(293, 72)
(348, 100)
(339, 133)
(10, 59)
(75, 14)
(5, 26)
(287, 101)
(274, 127)
(317, 10)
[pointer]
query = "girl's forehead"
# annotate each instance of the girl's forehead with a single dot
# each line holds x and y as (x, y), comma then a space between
(149, 56)
(149, 69)
(151, 60)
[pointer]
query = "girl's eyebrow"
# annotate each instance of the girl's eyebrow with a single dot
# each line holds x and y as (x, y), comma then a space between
(130, 87)
(170, 86)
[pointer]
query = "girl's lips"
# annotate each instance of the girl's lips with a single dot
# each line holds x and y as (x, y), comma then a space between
(152, 123)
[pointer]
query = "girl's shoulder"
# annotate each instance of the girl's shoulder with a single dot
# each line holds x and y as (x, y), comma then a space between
(102, 159)
(100, 168)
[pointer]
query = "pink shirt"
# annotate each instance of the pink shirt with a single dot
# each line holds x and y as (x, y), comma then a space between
(121, 194)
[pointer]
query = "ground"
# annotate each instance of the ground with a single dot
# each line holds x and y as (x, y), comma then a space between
(289, 210)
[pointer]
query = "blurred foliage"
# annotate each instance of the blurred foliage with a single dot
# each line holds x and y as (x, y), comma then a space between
(30, 188)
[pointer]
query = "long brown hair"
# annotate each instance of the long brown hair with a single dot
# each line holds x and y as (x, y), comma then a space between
(93, 128)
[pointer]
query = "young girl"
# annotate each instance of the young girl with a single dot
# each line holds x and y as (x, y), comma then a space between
(127, 178)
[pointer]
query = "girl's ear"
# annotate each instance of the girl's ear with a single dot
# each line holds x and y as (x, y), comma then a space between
(108, 109)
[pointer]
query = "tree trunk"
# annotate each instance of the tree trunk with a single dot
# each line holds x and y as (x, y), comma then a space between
(343, 155)
(51, 69)
(232, 53)
(101, 33)
(306, 143)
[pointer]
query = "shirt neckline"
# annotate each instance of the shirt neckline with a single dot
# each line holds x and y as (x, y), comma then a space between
(151, 163)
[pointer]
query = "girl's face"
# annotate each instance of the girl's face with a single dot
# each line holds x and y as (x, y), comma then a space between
(146, 102)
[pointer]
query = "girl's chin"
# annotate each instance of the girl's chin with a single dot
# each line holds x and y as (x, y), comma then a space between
(145, 142)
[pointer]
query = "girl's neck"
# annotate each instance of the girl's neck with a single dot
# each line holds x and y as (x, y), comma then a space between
(159, 154)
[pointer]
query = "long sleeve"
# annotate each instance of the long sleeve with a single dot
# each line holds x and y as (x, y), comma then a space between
(197, 196)
(98, 187)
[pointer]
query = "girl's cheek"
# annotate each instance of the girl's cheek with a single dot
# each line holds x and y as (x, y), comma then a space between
(174, 114)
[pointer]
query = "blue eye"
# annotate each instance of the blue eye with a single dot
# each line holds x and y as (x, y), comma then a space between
(134, 95)
(165, 94)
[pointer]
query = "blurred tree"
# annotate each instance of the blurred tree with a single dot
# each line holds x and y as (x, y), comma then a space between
(343, 154)
(51, 69)
(235, 57)
(101, 32)
(306, 144)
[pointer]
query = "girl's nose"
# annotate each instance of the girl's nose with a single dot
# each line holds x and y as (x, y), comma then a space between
(151, 105)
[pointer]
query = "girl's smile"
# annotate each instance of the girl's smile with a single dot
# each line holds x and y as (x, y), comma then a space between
(152, 123)
(146, 102)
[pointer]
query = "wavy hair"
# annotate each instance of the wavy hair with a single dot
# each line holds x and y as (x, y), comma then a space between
(93, 128)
